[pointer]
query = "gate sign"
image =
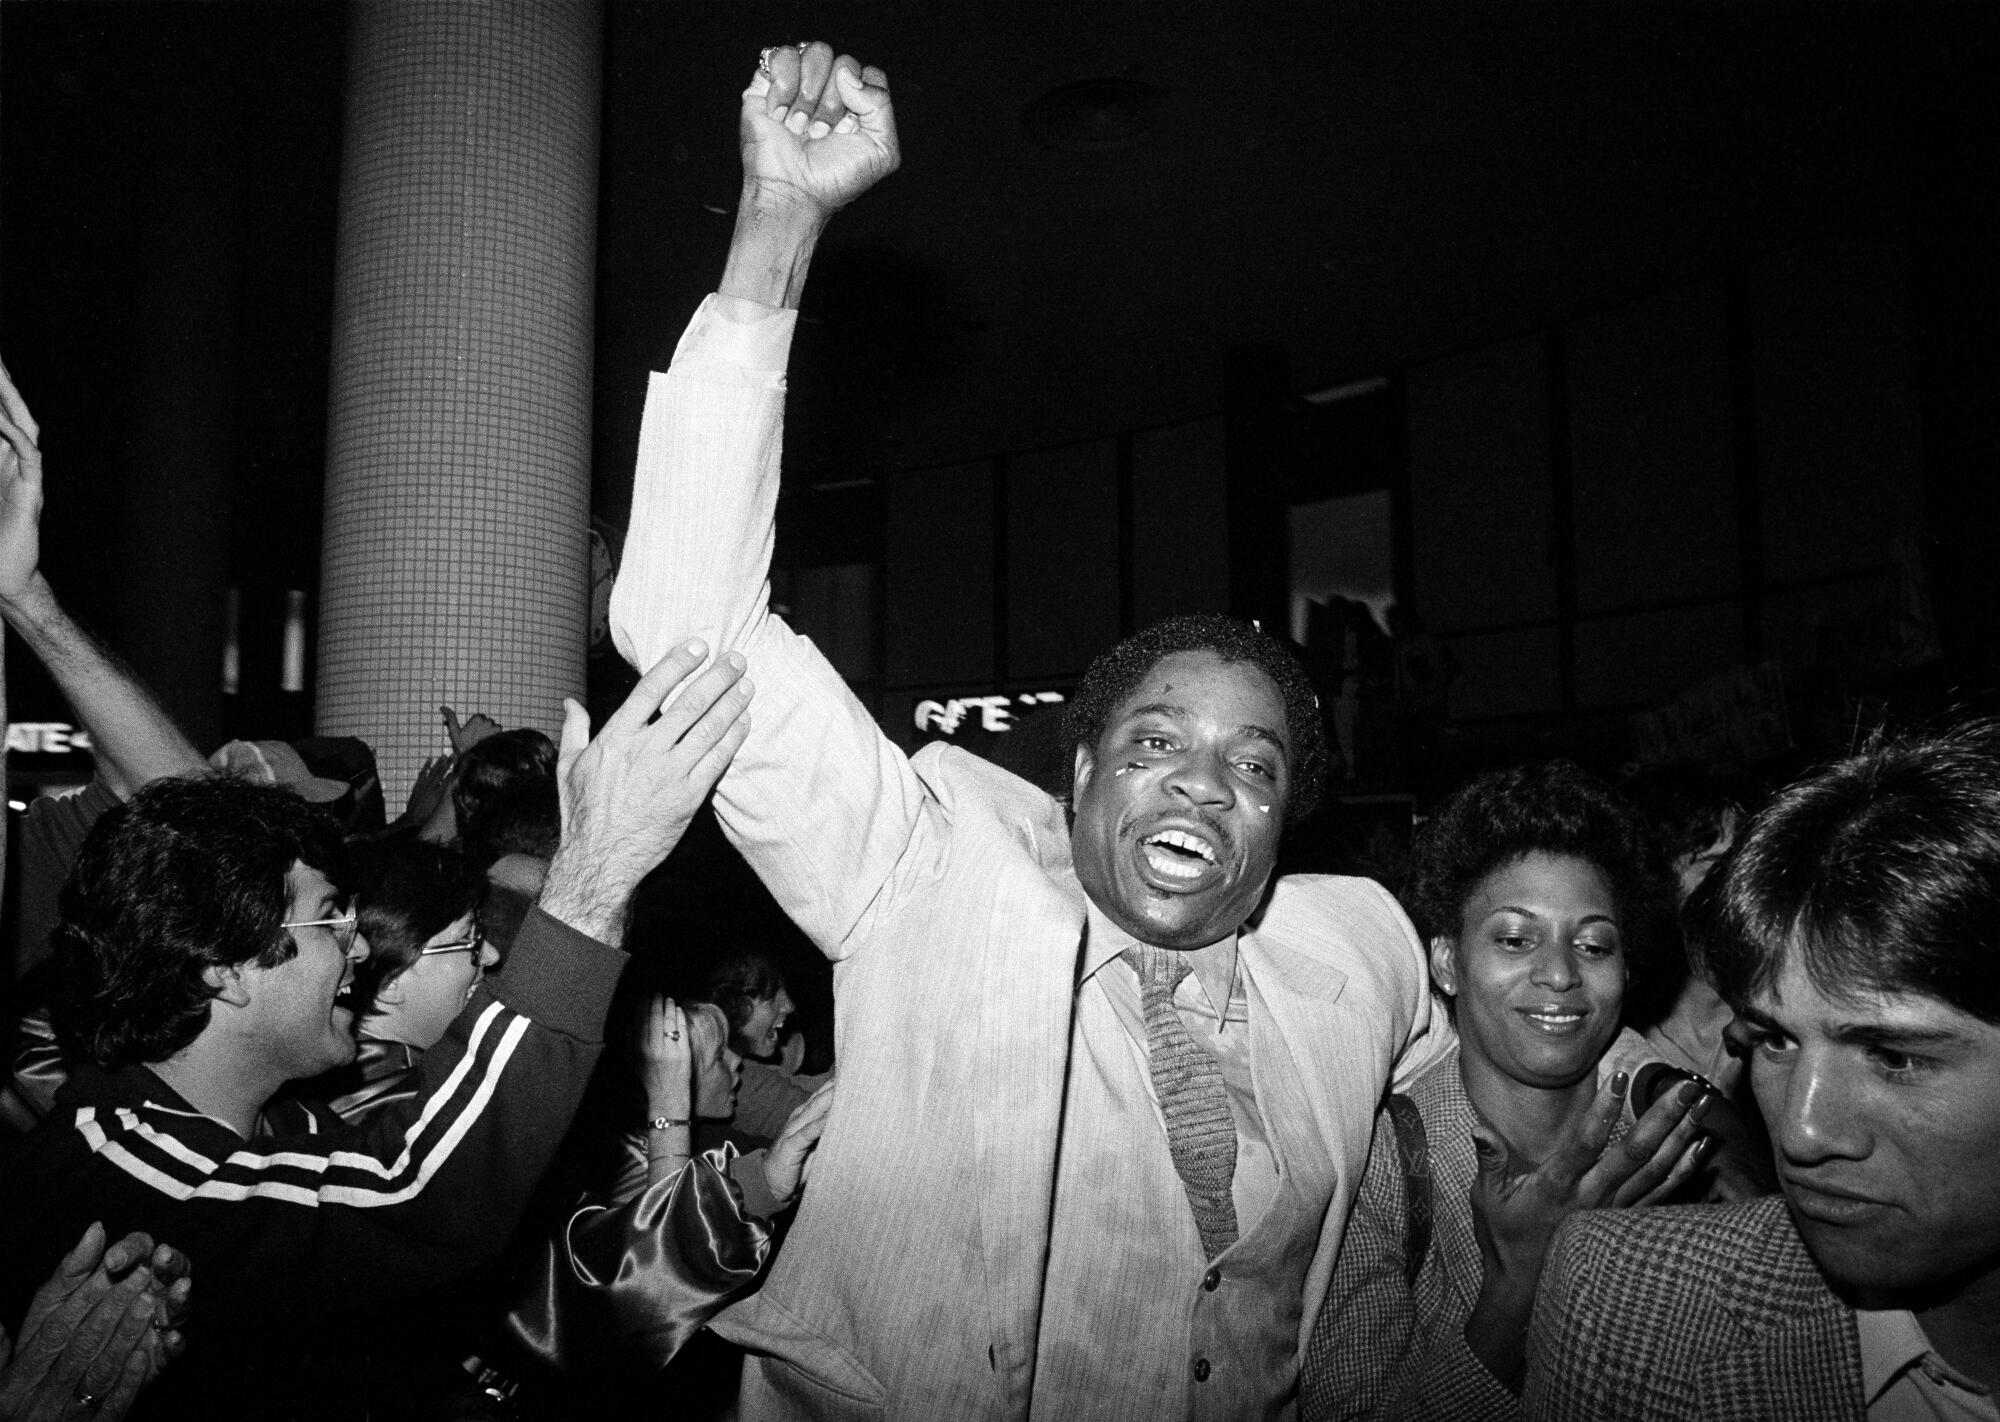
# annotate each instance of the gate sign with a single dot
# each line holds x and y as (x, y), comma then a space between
(996, 713)
(46, 738)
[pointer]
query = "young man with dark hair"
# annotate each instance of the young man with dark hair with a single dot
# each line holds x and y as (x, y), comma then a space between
(1106, 1085)
(1856, 930)
(204, 949)
(137, 957)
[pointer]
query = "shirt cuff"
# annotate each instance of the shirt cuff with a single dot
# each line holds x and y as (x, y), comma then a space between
(731, 331)
(560, 978)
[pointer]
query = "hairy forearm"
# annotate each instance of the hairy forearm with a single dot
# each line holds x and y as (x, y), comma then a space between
(589, 891)
(133, 739)
(777, 228)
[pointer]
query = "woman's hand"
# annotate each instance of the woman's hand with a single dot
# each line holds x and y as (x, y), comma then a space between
(790, 1156)
(666, 1058)
(1515, 1213)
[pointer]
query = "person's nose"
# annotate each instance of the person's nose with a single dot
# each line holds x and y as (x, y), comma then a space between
(1817, 1116)
(357, 948)
(488, 954)
(1554, 967)
(1202, 777)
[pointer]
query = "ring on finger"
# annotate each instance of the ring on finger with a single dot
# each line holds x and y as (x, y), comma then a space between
(764, 59)
(88, 1398)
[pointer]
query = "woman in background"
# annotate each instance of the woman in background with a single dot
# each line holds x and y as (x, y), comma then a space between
(681, 1232)
(416, 904)
(1537, 890)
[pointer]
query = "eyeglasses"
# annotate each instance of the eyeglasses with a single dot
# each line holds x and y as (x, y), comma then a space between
(343, 927)
(465, 945)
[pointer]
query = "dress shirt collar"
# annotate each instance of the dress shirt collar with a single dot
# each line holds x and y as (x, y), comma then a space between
(1104, 941)
(1893, 1342)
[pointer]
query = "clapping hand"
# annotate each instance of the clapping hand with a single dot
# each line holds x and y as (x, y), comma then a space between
(20, 492)
(1516, 1211)
(666, 1058)
(790, 1156)
(468, 733)
(104, 1325)
(628, 794)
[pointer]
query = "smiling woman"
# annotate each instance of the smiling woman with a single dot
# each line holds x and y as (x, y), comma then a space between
(1536, 889)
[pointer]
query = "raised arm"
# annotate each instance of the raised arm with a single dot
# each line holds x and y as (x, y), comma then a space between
(816, 131)
(133, 739)
(433, 1184)
(818, 801)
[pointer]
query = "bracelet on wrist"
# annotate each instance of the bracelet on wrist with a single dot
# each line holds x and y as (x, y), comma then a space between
(662, 1123)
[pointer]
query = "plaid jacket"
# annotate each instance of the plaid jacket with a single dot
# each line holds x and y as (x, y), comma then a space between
(1379, 1347)
(1709, 1312)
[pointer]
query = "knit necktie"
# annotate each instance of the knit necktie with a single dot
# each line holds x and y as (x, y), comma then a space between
(1188, 1082)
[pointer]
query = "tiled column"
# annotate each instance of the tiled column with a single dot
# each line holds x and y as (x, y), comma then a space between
(456, 560)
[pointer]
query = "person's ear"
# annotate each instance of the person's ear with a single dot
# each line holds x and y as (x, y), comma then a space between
(1080, 771)
(1444, 968)
(390, 993)
(227, 983)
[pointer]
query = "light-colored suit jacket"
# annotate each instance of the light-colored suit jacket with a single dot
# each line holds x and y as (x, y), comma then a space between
(940, 885)
(1709, 1312)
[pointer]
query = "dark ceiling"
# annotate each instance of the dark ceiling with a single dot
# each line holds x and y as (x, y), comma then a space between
(1362, 184)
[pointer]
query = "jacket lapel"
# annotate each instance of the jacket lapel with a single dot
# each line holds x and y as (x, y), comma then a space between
(1454, 1167)
(1295, 1062)
(1799, 1359)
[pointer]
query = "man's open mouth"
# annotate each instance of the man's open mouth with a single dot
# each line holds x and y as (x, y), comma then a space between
(1178, 854)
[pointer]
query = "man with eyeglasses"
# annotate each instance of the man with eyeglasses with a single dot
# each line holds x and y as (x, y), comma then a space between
(203, 956)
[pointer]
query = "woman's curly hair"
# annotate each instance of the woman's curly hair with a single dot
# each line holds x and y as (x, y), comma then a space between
(1554, 807)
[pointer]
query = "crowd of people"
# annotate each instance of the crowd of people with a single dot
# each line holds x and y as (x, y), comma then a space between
(1628, 1102)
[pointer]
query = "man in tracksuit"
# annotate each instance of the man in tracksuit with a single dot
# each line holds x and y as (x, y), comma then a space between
(203, 955)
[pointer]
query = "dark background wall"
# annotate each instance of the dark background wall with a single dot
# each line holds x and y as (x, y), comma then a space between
(1684, 314)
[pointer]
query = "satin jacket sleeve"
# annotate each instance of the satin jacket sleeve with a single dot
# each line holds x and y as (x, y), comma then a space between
(646, 1275)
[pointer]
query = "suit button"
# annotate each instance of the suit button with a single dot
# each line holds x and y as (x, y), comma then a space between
(1211, 1279)
(1201, 1370)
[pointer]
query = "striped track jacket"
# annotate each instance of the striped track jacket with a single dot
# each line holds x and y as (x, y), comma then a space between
(301, 1243)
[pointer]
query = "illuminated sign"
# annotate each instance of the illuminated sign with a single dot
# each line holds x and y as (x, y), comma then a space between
(46, 737)
(996, 713)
